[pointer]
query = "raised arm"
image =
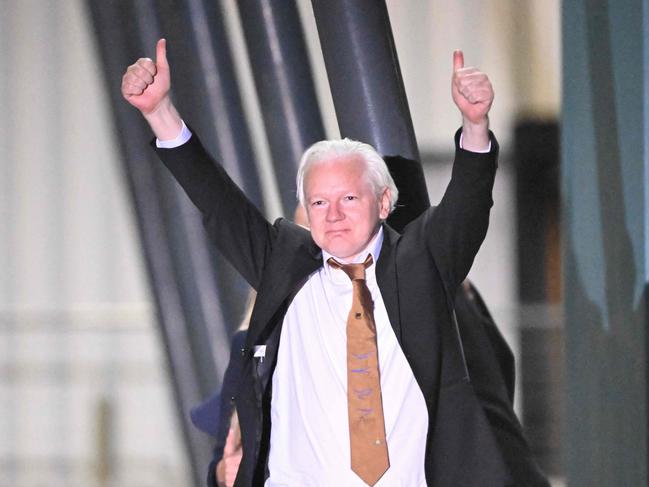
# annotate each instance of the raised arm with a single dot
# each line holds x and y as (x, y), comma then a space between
(146, 85)
(473, 94)
(456, 228)
(233, 223)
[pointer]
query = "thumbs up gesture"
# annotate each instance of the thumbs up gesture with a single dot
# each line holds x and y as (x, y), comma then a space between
(146, 83)
(473, 94)
(472, 91)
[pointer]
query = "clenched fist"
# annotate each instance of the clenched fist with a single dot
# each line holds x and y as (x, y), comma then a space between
(473, 94)
(146, 85)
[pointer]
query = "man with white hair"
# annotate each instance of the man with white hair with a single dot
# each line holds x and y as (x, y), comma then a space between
(352, 373)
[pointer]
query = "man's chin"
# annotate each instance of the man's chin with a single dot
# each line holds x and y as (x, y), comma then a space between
(338, 251)
(342, 253)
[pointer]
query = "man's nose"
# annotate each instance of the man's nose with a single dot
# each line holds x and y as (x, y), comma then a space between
(334, 213)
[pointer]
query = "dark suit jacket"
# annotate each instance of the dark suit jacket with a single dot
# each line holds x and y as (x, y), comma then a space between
(418, 273)
(489, 359)
(213, 416)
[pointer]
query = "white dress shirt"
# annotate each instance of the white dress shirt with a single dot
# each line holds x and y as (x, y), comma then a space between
(309, 443)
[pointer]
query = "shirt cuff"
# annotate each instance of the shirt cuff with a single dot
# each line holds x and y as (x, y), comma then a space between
(484, 151)
(184, 135)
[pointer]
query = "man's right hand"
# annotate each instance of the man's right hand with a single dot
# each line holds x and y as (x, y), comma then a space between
(227, 468)
(146, 85)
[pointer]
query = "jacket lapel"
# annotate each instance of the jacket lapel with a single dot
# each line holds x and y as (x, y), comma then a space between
(386, 277)
(282, 279)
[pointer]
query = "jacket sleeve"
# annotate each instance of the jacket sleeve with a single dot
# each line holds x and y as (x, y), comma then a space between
(455, 229)
(233, 223)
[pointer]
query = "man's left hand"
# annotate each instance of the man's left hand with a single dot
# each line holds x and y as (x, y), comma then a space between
(473, 94)
(471, 89)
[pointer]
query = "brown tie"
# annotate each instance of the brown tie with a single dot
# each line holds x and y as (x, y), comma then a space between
(369, 450)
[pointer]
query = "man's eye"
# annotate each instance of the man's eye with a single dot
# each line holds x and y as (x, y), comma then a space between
(317, 203)
(350, 197)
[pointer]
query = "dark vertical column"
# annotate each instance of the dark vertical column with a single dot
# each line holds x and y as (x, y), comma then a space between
(539, 283)
(284, 85)
(368, 91)
(118, 42)
(364, 75)
(185, 276)
(605, 215)
(205, 86)
(206, 92)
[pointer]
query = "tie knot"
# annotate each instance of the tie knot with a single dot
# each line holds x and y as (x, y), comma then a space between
(353, 271)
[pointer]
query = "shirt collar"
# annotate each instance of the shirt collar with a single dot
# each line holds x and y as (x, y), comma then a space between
(373, 247)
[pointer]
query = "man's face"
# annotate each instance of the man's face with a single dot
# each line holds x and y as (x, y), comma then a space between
(342, 207)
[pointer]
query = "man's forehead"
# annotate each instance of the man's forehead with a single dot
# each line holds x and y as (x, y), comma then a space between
(341, 174)
(338, 164)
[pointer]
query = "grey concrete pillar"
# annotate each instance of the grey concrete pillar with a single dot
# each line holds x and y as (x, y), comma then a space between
(284, 84)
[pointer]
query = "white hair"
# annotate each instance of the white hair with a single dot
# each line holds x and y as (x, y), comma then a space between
(375, 168)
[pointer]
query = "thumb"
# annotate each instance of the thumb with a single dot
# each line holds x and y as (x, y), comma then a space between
(161, 54)
(458, 59)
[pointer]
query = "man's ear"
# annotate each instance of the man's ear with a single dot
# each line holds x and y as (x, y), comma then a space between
(384, 204)
(301, 216)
